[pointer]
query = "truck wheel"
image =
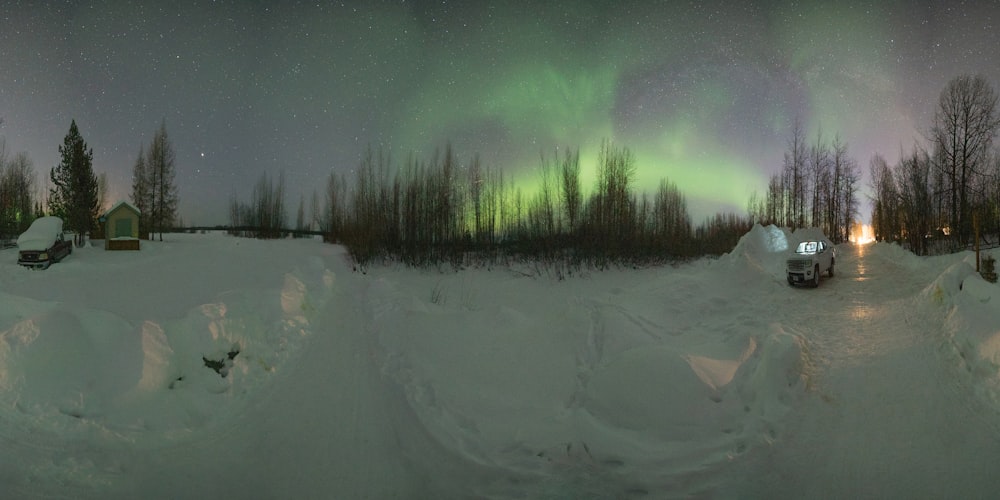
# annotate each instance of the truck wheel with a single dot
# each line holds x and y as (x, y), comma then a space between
(791, 282)
(831, 267)
(815, 282)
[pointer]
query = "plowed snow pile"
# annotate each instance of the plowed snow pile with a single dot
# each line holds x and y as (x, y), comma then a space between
(209, 366)
(972, 325)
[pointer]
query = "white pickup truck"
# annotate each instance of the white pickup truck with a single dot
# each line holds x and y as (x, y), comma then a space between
(810, 259)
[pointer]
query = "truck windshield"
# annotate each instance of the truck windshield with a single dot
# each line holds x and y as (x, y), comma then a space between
(807, 247)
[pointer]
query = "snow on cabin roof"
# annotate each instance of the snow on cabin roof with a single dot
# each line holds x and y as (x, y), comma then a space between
(119, 204)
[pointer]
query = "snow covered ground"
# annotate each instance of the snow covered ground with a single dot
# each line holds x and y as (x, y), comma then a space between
(709, 379)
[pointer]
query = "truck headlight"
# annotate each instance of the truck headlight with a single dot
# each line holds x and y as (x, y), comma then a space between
(43, 256)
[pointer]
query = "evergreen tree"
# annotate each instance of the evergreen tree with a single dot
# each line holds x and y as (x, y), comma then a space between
(73, 196)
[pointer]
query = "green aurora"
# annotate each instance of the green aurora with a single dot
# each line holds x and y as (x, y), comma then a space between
(705, 94)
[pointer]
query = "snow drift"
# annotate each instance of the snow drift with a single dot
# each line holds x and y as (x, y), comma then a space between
(972, 325)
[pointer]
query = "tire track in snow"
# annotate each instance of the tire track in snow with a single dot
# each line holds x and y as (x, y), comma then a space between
(590, 355)
(431, 468)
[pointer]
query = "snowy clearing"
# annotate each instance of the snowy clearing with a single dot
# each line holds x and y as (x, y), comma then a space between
(207, 366)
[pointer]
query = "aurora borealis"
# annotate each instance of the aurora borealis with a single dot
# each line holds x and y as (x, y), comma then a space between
(704, 93)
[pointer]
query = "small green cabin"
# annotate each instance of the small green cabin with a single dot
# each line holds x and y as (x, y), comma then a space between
(121, 227)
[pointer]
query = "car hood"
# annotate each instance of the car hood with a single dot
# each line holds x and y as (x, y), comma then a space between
(34, 244)
(42, 233)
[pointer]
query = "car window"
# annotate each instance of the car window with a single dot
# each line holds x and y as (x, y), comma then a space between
(811, 247)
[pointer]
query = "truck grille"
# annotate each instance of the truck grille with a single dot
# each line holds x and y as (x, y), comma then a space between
(799, 265)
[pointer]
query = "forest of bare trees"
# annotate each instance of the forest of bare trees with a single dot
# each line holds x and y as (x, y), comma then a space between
(264, 215)
(437, 212)
(18, 202)
(440, 211)
(937, 196)
(154, 191)
(817, 187)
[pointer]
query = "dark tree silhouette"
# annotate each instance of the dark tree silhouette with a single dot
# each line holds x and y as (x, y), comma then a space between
(965, 125)
(73, 195)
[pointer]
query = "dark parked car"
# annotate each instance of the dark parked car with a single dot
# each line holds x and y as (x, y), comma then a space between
(43, 243)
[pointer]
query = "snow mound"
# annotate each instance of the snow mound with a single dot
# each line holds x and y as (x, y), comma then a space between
(894, 252)
(67, 360)
(764, 248)
(948, 284)
(703, 400)
(971, 325)
(100, 369)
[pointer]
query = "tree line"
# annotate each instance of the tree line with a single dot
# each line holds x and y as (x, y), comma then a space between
(264, 215)
(73, 195)
(936, 195)
(816, 187)
(19, 205)
(440, 211)
(77, 194)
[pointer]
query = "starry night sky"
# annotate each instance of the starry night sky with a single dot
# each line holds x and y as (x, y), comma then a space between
(704, 93)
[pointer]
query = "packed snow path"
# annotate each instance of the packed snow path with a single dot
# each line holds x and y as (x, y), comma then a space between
(889, 418)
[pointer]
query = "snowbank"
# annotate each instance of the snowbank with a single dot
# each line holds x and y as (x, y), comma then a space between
(131, 378)
(763, 249)
(972, 325)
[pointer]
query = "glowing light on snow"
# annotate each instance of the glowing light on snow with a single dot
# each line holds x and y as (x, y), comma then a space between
(862, 234)
(862, 312)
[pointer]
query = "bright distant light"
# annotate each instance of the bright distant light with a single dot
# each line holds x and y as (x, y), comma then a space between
(862, 234)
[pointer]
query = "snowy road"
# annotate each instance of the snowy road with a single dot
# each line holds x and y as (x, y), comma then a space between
(890, 419)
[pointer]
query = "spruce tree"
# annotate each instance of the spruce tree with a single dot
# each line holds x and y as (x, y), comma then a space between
(73, 195)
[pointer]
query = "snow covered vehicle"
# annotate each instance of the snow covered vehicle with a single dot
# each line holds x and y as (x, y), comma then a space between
(810, 259)
(43, 243)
